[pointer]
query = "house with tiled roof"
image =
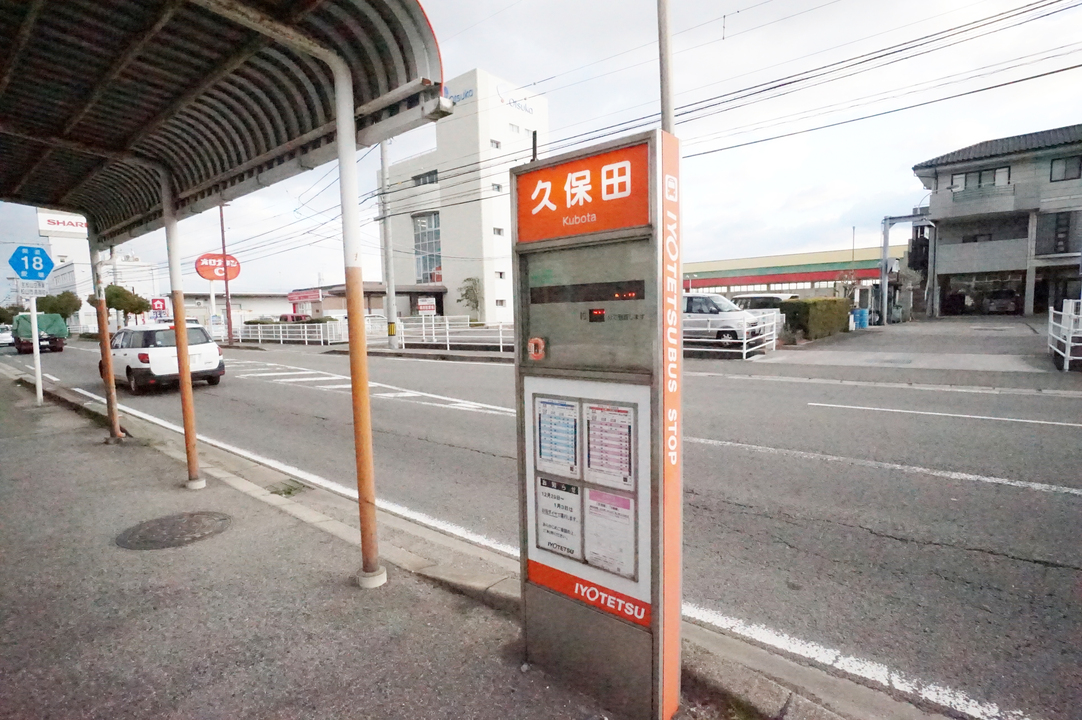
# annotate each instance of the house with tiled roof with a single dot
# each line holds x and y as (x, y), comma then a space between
(1008, 223)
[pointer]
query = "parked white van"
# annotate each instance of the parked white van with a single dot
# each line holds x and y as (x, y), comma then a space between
(763, 301)
(715, 317)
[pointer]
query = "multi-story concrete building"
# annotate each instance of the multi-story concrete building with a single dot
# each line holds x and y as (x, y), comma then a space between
(450, 208)
(1006, 215)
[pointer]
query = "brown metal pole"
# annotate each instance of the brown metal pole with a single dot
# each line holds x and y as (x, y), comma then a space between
(180, 329)
(115, 433)
(362, 419)
(225, 269)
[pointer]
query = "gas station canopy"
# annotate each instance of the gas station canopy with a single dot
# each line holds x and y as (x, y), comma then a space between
(98, 97)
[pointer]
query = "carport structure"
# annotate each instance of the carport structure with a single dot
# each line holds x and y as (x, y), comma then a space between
(138, 113)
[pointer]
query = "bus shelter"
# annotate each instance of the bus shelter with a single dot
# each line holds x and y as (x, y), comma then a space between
(139, 113)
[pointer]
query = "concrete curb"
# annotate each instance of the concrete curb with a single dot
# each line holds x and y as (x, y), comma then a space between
(771, 685)
(435, 355)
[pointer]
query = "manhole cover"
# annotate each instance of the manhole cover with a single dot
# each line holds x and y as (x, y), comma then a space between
(173, 531)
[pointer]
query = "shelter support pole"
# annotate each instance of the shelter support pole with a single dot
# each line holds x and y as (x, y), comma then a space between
(372, 574)
(884, 275)
(103, 343)
(180, 325)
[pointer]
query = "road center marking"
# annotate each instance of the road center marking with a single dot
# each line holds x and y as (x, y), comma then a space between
(877, 465)
(954, 415)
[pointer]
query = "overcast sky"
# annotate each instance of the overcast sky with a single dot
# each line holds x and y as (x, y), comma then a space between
(598, 67)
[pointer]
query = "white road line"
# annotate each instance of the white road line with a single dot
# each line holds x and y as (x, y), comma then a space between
(325, 376)
(877, 465)
(54, 378)
(396, 394)
(975, 389)
(96, 351)
(860, 667)
(335, 387)
(281, 372)
(29, 367)
(954, 415)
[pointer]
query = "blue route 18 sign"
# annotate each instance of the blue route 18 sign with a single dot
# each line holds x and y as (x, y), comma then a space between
(31, 263)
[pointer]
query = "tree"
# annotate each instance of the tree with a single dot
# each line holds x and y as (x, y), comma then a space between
(7, 314)
(470, 294)
(124, 300)
(65, 304)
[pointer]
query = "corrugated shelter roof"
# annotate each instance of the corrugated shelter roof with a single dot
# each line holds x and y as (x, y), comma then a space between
(90, 89)
(1008, 146)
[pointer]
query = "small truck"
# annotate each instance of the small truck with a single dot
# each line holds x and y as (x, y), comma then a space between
(51, 333)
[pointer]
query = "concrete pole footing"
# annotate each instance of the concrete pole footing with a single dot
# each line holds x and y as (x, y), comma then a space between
(197, 484)
(368, 581)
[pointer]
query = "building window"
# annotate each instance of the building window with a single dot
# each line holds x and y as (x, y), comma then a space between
(500, 274)
(495, 143)
(513, 127)
(426, 247)
(1063, 232)
(985, 237)
(1067, 168)
(497, 231)
(501, 303)
(428, 178)
(993, 177)
(496, 187)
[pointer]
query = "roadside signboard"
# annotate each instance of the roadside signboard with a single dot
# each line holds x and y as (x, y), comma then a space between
(31, 262)
(31, 288)
(301, 296)
(158, 304)
(426, 306)
(598, 338)
(215, 266)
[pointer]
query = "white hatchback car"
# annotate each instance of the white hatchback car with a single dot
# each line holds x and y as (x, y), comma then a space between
(146, 356)
(6, 338)
(715, 317)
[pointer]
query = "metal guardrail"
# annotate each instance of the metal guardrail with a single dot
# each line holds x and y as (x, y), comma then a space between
(328, 333)
(1065, 334)
(750, 339)
(454, 332)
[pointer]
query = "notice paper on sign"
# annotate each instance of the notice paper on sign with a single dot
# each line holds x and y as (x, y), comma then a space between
(557, 424)
(559, 517)
(610, 532)
(610, 433)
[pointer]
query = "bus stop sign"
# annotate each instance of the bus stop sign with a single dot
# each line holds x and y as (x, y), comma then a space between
(598, 380)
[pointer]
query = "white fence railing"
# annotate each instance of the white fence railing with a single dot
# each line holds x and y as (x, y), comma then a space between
(327, 333)
(741, 336)
(1065, 334)
(455, 332)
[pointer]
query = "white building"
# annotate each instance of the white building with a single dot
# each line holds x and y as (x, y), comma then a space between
(450, 208)
(66, 237)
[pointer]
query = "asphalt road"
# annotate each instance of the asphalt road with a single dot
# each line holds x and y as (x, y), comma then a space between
(935, 547)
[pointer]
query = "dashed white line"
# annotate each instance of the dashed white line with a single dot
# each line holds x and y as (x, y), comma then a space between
(877, 465)
(974, 389)
(941, 414)
(54, 378)
(281, 373)
(321, 377)
(868, 669)
(333, 387)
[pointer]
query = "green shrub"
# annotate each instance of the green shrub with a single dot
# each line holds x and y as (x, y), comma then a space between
(817, 317)
(260, 322)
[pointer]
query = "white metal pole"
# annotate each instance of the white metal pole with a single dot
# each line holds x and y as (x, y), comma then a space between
(883, 276)
(665, 61)
(213, 309)
(390, 307)
(37, 347)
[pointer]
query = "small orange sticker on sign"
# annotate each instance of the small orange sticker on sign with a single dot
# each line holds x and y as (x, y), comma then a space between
(536, 348)
(608, 191)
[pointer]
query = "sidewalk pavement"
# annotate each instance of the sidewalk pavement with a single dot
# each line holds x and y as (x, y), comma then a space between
(258, 621)
(262, 620)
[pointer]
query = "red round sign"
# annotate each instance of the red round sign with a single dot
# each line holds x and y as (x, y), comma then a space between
(212, 266)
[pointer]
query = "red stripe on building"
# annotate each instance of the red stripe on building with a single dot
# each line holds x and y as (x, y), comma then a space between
(820, 276)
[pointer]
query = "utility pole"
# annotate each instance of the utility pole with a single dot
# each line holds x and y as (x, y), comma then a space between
(665, 58)
(390, 308)
(228, 308)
